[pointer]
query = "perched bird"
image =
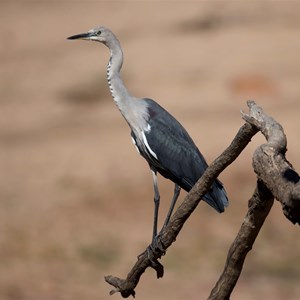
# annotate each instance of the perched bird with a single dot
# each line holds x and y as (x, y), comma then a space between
(157, 135)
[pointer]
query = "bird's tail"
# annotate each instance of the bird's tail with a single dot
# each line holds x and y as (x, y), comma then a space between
(217, 197)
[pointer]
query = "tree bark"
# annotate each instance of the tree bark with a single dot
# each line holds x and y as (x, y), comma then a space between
(275, 177)
(271, 165)
(259, 206)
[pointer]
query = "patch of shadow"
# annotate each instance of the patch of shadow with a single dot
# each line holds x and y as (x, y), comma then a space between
(12, 291)
(291, 175)
(217, 20)
(90, 92)
(232, 16)
(205, 23)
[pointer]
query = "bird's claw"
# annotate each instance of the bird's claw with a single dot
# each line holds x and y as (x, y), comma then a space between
(155, 249)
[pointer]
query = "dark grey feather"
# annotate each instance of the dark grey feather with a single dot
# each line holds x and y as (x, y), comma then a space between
(178, 158)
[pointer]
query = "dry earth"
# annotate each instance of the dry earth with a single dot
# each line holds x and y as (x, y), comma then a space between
(75, 198)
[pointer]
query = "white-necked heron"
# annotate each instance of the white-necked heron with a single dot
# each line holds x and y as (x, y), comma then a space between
(157, 135)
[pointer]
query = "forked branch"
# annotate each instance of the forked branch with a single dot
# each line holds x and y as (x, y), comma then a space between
(272, 169)
(271, 165)
(169, 233)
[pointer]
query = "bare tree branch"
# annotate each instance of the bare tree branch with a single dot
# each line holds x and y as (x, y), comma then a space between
(270, 164)
(276, 176)
(259, 207)
(169, 233)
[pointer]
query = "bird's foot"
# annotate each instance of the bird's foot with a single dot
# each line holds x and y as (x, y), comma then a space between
(154, 251)
(156, 248)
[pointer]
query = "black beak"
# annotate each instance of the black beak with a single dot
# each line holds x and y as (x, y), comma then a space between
(82, 36)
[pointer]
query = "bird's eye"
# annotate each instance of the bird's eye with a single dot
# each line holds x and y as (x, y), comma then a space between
(98, 32)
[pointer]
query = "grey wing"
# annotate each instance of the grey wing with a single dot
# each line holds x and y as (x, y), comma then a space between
(178, 158)
(176, 155)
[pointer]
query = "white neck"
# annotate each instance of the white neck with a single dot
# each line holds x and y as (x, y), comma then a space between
(133, 110)
(115, 82)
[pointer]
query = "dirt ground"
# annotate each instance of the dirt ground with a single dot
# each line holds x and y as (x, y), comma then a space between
(76, 199)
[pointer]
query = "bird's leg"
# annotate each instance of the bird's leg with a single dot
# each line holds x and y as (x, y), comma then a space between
(173, 202)
(156, 205)
(155, 244)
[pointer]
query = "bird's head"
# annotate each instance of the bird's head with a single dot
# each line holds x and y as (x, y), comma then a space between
(97, 34)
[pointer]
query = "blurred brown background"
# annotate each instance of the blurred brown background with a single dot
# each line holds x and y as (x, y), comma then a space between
(76, 199)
